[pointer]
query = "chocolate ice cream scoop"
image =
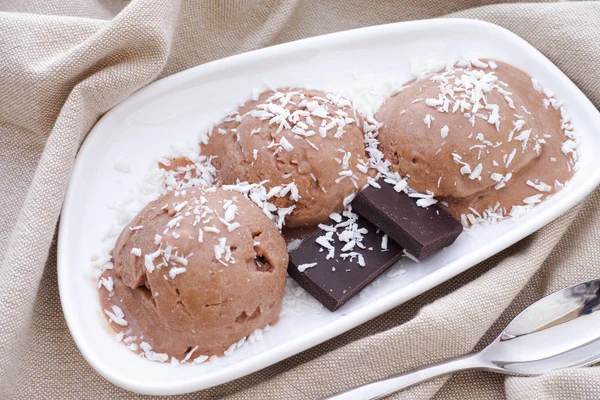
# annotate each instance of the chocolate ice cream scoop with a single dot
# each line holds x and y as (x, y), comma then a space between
(482, 136)
(196, 270)
(307, 146)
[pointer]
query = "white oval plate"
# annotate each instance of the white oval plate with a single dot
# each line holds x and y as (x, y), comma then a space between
(142, 128)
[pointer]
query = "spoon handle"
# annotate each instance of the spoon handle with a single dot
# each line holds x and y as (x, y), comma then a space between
(385, 387)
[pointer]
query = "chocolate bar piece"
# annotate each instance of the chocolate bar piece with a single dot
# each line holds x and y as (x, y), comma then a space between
(421, 231)
(333, 281)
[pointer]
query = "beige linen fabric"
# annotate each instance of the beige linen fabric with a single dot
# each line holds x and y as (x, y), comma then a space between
(64, 63)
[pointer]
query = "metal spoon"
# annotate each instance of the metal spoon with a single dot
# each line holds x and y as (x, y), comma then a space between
(561, 330)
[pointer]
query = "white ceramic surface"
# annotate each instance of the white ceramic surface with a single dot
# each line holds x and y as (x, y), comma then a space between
(180, 106)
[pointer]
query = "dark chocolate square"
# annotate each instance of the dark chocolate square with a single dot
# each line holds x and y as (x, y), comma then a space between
(334, 288)
(421, 231)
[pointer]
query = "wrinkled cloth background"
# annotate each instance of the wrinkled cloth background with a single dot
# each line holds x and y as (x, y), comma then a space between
(63, 63)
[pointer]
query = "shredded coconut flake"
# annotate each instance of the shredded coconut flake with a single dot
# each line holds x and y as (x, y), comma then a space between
(541, 186)
(173, 272)
(444, 131)
(304, 267)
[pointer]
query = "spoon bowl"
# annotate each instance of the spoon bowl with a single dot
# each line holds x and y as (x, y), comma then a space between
(559, 331)
(561, 323)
